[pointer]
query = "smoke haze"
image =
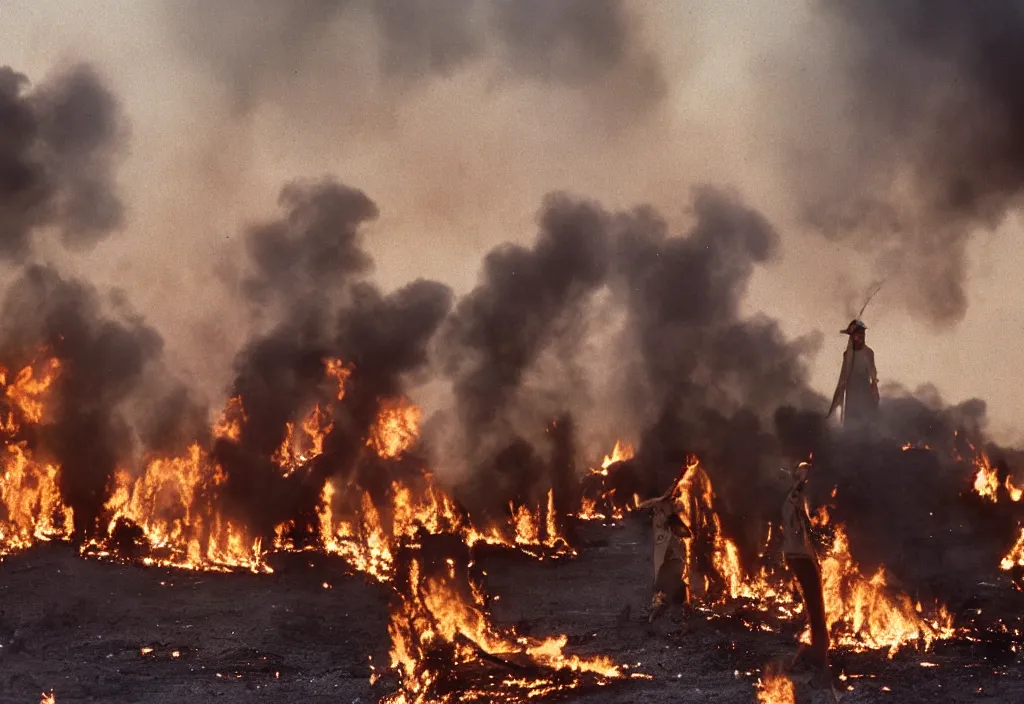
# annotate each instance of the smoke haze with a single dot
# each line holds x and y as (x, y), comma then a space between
(270, 185)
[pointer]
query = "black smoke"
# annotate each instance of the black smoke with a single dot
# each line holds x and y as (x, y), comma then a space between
(59, 144)
(103, 361)
(708, 381)
(529, 301)
(310, 267)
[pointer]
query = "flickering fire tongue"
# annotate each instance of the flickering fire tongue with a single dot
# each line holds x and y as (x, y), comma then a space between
(863, 612)
(171, 514)
(445, 647)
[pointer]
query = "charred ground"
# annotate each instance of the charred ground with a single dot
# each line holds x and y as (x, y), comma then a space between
(285, 637)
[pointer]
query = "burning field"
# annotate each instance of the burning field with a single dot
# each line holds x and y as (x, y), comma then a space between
(318, 531)
(539, 604)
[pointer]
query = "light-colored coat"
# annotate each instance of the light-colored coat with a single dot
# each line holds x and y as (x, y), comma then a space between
(796, 524)
(856, 390)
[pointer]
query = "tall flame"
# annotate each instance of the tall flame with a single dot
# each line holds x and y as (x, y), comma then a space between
(865, 615)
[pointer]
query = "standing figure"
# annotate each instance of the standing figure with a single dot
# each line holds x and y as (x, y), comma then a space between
(857, 390)
(802, 560)
(669, 552)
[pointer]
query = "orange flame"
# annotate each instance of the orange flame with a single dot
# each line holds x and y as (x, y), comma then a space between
(436, 615)
(28, 389)
(229, 427)
(1015, 557)
(863, 611)
(340, 372)
(775, 688)
(397, 428)
(620, 453)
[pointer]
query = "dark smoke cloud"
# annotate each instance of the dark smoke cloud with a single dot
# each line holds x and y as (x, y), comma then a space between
(936, 153)
(313, 252)
(706, 380)
(311, 264)
(523, 304)
(103, 361)
(58, 149)
(258, 47)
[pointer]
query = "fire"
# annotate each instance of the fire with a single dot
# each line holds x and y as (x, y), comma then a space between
(297, 448)
(862, 614)
(1014, 558)
(693, 490)
(339, 372)
(229, 427)
(167, 510)
(775, 688)
(604, 503)
(440, 611)
(397, 428)
(986, 480)
(620, 453)
(29, 491)
(48, 698)
(171, 503)
(31, 497)
(1015, 492)
(30, 386)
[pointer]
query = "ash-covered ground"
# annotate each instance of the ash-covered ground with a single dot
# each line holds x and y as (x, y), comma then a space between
(81, 627)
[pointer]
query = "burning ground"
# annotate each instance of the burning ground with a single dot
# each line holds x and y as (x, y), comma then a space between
(319, 517)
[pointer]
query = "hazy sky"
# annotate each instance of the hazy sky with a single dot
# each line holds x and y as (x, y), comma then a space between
(459, 160)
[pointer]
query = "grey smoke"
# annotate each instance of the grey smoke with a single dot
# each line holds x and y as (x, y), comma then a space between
(934, 152)
(258, 47)
(59, 145)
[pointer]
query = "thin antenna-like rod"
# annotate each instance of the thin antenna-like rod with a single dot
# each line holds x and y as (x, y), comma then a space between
(870, 296)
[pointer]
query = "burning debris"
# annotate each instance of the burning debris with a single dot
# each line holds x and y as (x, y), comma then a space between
(446, 649)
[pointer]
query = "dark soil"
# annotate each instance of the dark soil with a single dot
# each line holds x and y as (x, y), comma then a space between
(79, 627)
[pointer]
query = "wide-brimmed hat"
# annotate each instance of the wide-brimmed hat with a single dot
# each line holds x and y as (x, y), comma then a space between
(853, 327)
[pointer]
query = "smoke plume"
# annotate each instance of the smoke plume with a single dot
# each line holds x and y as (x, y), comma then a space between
(933, 153)
(103, 360)
(59, 145)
